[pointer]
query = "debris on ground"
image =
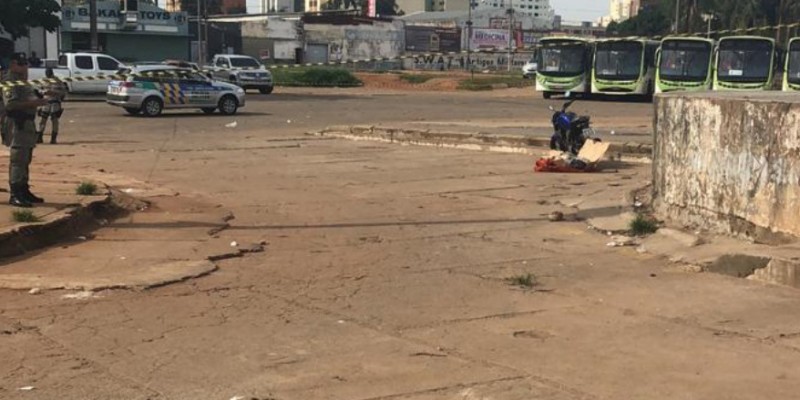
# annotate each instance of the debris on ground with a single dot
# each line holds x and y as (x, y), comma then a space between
(233, 124)
(586, 161)
(35, 291)
(253, 247)
(26, 388)
(622, 241)
(79, 295)
(556, 216)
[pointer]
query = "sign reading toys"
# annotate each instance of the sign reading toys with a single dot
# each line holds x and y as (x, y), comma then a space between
(109, 12)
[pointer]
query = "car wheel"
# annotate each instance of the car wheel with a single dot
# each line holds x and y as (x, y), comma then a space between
(265, 90)
(228, 105)
(209, 110)
(152, 106)
(133, 111)
(547, 95)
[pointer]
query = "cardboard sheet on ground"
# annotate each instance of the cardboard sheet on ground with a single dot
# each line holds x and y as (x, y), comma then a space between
(591, 153)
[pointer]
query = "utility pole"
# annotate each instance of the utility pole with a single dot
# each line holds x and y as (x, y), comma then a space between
(469, 36)
(510, 31)
(677, 15)
(93, 39)
(200, 59)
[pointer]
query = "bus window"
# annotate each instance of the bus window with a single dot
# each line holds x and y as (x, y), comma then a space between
(745, 60)
(618, 60)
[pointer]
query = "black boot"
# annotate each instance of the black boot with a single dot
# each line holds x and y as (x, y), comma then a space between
(39, 137)
(18, 198)
(53, 137)
(26, 191)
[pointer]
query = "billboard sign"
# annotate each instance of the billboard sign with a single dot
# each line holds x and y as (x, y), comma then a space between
(426, 39)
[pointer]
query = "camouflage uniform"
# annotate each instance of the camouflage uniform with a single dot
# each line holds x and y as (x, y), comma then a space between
(23, 136)
(52, 111)
(5, 126)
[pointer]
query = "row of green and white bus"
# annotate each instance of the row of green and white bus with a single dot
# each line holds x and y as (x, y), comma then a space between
(640, 67)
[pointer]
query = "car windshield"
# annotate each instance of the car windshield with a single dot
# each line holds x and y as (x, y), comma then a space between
(242, 62)
(745, 60)
(563, 58)
(618, 60)
(794, 62)
(685, 61)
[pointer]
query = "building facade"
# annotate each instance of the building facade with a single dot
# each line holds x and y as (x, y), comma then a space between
(416, 6)
(138, 33)
(539, 9)
(620, 10)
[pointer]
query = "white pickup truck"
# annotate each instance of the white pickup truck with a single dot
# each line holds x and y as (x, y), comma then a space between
(243, 71)
(74, 65)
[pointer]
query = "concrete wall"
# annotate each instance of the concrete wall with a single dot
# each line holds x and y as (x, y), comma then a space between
(349, 42)
(729, 162)
(480, 61)
(275, 37)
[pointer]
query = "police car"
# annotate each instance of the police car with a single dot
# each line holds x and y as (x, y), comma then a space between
(153, 88)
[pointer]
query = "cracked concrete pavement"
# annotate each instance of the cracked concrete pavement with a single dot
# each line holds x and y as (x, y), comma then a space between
(386, 273)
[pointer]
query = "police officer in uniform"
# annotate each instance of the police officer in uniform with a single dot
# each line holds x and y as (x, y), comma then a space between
(53, 110)
(4, 126)
(21, 103)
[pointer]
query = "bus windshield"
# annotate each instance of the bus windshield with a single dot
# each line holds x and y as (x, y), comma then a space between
(794, 63)
(686, 61)
(562, 58)
(745, 60)
(618, 60)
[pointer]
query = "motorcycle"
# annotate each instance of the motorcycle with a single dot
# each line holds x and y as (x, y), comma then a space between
(571, 131)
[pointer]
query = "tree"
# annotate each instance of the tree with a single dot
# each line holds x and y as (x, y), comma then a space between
(651, 21)
(18, 16)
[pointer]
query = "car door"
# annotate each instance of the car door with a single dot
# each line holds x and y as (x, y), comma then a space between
(199, 90)
(83, 67)
(106, 66)
(222, 69)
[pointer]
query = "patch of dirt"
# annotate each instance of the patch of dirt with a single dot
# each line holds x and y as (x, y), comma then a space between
(446, 82)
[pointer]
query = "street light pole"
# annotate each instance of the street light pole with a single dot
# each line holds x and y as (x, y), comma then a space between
(708, 18)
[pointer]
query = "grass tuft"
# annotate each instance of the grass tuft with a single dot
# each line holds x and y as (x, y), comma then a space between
(642, 225)
(86, 189)
(526, 281)
(24, 216)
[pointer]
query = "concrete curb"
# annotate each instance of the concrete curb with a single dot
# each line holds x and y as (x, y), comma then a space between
(504, 143)
(67, 223)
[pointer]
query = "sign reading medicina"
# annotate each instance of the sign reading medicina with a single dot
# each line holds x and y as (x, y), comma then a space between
(148, 18)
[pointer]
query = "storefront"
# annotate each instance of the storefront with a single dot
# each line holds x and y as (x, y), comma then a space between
(142, 32)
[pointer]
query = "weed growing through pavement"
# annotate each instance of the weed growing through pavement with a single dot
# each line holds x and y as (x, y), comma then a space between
(24, 216)
(86, 189)
(526, 281)
(642, 225)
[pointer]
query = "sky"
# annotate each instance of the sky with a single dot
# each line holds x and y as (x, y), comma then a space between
(580, 10)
